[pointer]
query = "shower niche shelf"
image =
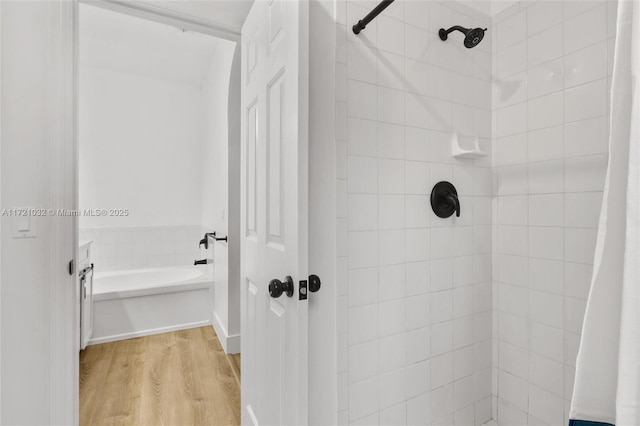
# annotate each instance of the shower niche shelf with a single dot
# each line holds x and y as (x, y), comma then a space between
(457, 151)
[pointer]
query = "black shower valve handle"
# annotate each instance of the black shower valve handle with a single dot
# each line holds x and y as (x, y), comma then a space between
(453, 199)
(444, 200)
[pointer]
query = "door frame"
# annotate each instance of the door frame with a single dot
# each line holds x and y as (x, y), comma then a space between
(62, 110)
(61, 106)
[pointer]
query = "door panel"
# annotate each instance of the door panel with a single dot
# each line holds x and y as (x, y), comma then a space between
(275, 210)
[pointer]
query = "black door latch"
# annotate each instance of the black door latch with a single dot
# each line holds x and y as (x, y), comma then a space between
(313, 285)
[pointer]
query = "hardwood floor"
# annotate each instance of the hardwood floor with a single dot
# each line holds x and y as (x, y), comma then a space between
(173, 379)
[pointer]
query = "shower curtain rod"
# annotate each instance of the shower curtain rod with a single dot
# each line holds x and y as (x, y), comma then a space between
(362, 24)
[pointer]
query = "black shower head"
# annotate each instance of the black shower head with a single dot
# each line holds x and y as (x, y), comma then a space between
(472, 36)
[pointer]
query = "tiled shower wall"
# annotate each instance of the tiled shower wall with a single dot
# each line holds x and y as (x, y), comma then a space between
(115, 249)
(552, 67)
(414, 296)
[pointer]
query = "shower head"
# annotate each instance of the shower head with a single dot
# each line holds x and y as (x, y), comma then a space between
(473, 36)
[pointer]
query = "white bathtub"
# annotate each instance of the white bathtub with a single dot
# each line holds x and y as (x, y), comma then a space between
(148, 301)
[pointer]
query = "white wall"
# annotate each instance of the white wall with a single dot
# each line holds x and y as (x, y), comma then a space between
(414, 291)
(214, 191)
(34, 118)
(233, 221)
(552, 67)
(220, 191)
(25, 151)
(140, 148)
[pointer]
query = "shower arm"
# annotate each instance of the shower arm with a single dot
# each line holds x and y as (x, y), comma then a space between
(362, 24)
(457, 28)
(444, 33)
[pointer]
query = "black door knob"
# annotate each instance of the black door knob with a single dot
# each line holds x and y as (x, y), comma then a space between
(314, 283)
(277, 287)
(444, 200)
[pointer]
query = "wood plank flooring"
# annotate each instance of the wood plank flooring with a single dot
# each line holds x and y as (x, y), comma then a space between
(173, 379)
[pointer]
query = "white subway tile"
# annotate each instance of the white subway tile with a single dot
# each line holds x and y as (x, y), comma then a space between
(546, 308)
(362, 175)
(585, 65)
(416, 76)
(396, 415)
(546, 275)
(363, 398)
(546, 210)
(417, 245)
(419, 410)
(390, 35)
(392, 352)
(416, 43)
(363, 361)
(362, 249)
(545, 144)
(418, 345)
(418, 277)
(363, 212)
(416, 111)
(513, 390)
(417, 146)
(441, 338)
(362, 62)
(511, 30)
(462, 301)
(579, 244)
(391, 317)
(542, 15)
(391, 104)
(362, 100)
(391, 282)
(545, 111)
(586, 137)
(586, 101)
(442, 403)
(391, 211)
(363, 286)
(545, 78)
(417, 313)
(582, 209)
(418, 379)
(544, 46)
(575, 36)
(392, 388)
(585, 173)
(390, 69)
(545, 406)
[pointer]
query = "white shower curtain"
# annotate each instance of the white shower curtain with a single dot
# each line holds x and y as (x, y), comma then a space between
(607, 384)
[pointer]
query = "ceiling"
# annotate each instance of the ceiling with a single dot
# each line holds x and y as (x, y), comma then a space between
(489, 7)
(225, 13)
(119, 42)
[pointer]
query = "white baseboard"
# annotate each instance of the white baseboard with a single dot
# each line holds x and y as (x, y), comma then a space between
(230, 344)
(150, 332)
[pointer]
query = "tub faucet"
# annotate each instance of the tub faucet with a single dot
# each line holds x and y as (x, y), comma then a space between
(200, 262)
(205, 240)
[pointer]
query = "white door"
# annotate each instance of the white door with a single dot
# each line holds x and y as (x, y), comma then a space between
(274, 186)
